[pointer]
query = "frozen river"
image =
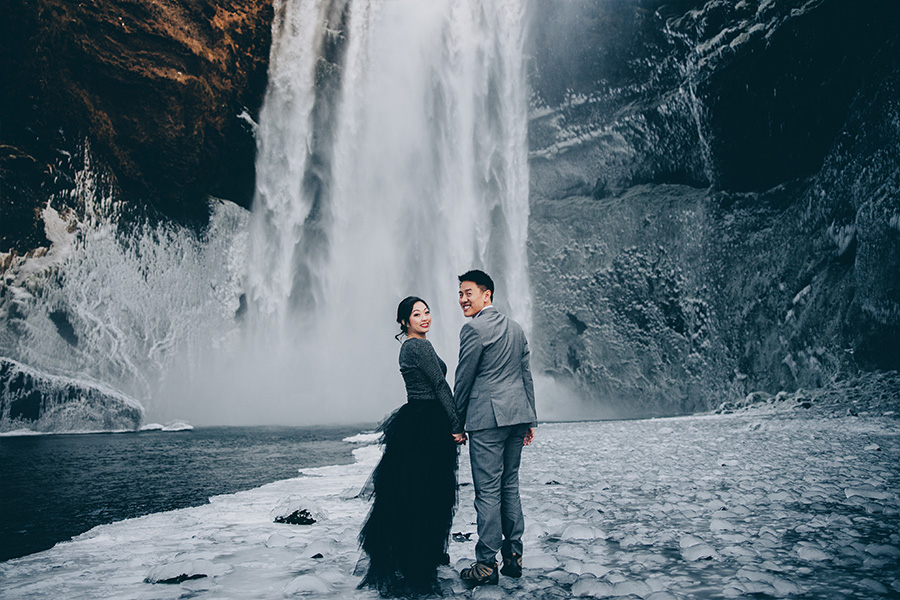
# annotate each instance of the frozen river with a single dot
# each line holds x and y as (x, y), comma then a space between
(796, 504)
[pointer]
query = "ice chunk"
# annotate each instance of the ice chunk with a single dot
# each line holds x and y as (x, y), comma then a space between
(875, 586)
(781, 586)
(177, 426)
(576, 567)
(688, 541)
(276, 540)
(632, 588)
(363, 438)
(297, 510)
(577, 531)
(319, 549)
(699, 552)
(488, 593)
(544, 562)
(184, 570)
(563, 577)
(306, 584)
(720, 525)
(591, 587)
(883, 550)
(594, 568)
(812, 553)
(649, 560)
(693, 548)
(865, 493)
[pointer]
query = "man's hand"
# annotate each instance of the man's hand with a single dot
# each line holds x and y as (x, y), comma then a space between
(529, 436)
(460, 438)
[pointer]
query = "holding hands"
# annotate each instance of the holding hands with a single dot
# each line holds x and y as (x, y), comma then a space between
(529, 436)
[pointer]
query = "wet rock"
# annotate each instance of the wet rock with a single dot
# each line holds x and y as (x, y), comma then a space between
(297, 511)
(298, 517)
(184, 570)
(156, 90)
(31, 399)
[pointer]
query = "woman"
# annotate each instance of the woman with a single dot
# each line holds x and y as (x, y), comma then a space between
(405, 535)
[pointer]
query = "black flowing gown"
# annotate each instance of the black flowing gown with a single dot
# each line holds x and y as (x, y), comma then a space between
(414, 485)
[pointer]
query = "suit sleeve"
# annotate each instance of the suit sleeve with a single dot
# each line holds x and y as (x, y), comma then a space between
(431, 368)
(470, 350)
(527, 379)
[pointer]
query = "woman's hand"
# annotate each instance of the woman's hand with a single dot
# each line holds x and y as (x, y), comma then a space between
(460, 438)
(529, 436)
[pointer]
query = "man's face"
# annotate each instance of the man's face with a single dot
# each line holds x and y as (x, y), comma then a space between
(472, 299)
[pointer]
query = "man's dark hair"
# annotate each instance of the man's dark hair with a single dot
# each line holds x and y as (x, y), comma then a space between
(479, 278)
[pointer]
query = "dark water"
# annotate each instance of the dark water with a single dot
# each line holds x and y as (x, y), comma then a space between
(53, 487)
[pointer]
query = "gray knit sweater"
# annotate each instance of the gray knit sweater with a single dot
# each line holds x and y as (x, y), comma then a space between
(425, 376)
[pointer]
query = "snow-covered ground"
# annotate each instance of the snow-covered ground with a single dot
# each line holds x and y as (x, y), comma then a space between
(751, 504)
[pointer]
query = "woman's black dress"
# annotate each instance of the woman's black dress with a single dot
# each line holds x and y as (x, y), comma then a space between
(406, 533)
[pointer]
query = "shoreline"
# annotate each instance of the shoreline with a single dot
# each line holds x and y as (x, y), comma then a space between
(735, 504)
(56, 487)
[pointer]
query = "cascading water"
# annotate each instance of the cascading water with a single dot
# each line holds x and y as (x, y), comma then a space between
(392, 158)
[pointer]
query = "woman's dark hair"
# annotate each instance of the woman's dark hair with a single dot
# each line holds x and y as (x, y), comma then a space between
(404, 309)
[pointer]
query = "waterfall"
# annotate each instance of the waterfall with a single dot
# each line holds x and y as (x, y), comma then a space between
(392, 157)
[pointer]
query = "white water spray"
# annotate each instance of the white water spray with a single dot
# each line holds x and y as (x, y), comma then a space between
(392, 158)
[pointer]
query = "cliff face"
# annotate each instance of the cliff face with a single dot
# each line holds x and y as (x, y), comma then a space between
(715, 205)
(155, 87)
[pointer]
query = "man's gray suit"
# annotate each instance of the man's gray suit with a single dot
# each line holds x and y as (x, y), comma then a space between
(494, 395)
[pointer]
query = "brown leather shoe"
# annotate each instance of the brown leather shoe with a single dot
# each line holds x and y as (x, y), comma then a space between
(480, 574)
(512, 565)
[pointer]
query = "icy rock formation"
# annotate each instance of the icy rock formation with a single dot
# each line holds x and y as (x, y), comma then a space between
(297, 511)
(184, 568)
(40, 402)
(714, 198)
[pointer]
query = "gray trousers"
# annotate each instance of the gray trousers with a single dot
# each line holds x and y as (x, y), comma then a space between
(495, 455)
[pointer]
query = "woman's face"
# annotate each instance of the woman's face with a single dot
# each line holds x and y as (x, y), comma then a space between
(419, 320)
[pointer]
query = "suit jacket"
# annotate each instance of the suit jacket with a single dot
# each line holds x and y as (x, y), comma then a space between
(493, 386)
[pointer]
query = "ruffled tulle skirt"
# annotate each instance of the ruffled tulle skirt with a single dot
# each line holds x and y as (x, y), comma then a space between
(405, 535)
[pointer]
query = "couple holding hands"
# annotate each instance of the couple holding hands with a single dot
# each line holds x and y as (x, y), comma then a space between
(492, 407)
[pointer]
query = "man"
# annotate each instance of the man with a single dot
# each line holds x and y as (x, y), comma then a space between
(494, 395)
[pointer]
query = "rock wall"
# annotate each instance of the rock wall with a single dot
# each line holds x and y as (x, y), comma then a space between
(715, 199)
(154, 87)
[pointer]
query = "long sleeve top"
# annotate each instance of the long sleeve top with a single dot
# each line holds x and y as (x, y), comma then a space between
(425, 376)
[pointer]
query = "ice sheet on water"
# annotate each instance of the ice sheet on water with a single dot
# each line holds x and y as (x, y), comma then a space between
(650, 519)
(178, 426)
(363, 438)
